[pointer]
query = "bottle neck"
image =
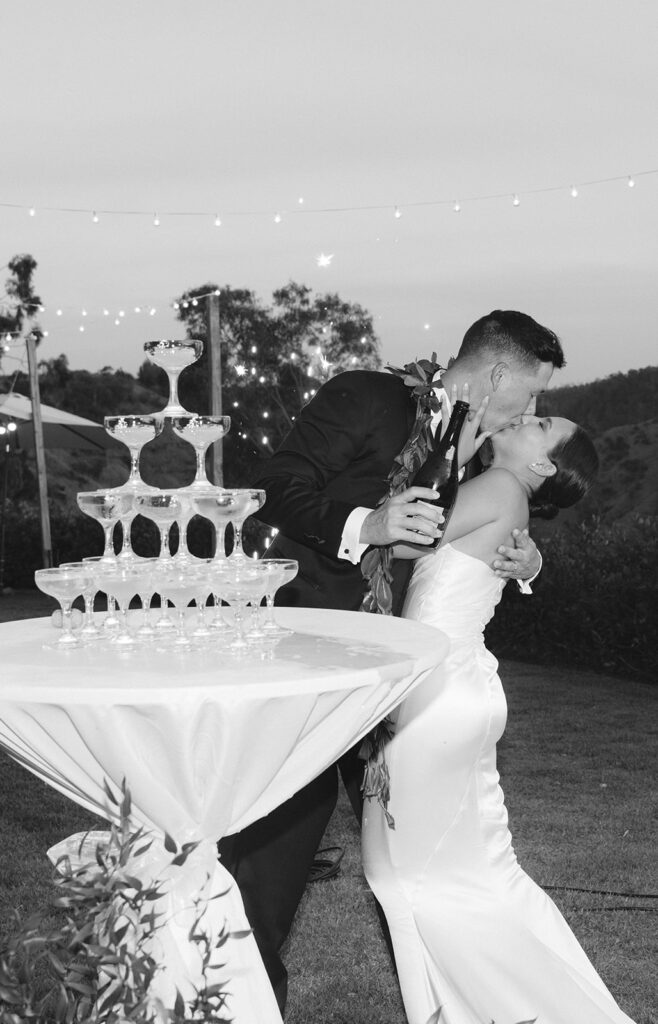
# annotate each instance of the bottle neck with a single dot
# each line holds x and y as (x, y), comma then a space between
(450, 437)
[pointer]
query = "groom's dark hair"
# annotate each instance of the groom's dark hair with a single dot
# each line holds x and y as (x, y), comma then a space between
(515, 334)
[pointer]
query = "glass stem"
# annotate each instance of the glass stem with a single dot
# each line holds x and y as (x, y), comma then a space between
(220, 542)
(109, 541)
(173, 386)
(182, 536)
(134, 466)
(126, 544)
(67, 628)
(237, 538)
(201, 476)
(164, 541)
(269, 601)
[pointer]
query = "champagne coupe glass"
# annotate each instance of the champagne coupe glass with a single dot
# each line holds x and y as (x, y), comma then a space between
(255, 499)
(164, 508)
(122, 581)
(89, 630)
(145, 593)
(262, 584)
(106, 507)
(219, 571)
(244, 583)
(200, 432)
(203, 589)
(95, 563)
(183, 553)
(283, 570)
(173, 356)
(134, 432)
(179, 585)
(64, 584)
(220, 506)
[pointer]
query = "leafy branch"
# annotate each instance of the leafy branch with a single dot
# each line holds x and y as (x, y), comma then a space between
(94, 963)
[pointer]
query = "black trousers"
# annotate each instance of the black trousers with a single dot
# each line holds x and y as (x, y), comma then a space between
(271, 860)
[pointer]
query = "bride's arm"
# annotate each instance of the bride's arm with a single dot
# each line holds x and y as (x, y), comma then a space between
(494, 499)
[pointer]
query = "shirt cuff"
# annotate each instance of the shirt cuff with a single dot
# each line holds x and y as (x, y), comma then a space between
(351, 549)
(525, 585)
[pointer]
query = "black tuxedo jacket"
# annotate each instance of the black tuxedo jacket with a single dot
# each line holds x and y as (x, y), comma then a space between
(336, 457)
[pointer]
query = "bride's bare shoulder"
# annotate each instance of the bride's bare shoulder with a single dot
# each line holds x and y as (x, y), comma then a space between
(500, 482)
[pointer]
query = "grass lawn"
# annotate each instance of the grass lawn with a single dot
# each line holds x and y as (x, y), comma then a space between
(578, 768)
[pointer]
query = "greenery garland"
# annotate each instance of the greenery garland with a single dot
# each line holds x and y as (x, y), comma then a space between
(376, 564)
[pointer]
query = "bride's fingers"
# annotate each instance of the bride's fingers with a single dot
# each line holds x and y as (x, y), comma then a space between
(475, 417)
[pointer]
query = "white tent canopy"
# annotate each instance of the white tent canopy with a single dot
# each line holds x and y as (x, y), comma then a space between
(60, 429)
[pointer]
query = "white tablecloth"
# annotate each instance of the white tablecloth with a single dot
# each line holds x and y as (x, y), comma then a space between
(207, 743)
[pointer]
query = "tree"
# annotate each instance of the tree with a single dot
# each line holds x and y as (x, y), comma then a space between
(273, 360)
(21, 305)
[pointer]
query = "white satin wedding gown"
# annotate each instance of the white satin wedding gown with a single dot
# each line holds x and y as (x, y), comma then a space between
(472, 933)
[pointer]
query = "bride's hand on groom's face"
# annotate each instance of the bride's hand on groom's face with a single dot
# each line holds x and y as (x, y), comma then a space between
(403, 518)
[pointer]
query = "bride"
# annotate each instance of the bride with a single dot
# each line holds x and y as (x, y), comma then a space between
(473, 936)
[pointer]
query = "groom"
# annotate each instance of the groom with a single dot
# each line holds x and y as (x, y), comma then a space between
(323, 486)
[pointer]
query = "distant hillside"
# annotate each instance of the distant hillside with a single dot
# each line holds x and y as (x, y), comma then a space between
(620, 413)
(613, 401)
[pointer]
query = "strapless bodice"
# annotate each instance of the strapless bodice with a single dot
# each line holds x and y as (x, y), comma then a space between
(454, 592)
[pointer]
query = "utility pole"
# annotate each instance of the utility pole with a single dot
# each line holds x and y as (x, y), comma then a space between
(37, 424)
(215, 381)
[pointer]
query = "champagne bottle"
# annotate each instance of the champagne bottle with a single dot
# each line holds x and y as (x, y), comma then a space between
(440, 471)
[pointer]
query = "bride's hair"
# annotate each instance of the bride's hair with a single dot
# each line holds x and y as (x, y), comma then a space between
(577, 465)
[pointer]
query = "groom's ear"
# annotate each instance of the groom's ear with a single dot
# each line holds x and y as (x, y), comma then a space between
(498, 373)
(542, 468)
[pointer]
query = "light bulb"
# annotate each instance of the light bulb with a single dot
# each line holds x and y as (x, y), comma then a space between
(266, 440)
(59, 312)
(152, 311)
(83, 312)
(515, 200)
(32, 211)
(277, 218)
(397, 213)
(218, 222)
(631, 182)
(106, 312)
(156, 221)
(456, 207)
(81, 327)
(94, 217)
(574, 192)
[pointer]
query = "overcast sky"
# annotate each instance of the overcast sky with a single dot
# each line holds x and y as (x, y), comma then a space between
(241, 108)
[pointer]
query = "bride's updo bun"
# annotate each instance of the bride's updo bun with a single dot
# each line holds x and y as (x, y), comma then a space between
(577, 464)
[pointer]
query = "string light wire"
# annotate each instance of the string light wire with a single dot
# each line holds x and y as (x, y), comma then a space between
(303, 210)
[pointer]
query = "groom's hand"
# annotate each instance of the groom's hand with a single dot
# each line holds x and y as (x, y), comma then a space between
(402, 517)
(520, 562)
